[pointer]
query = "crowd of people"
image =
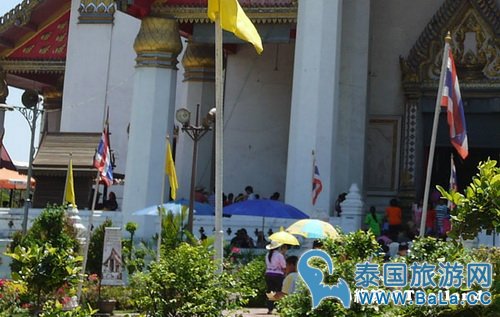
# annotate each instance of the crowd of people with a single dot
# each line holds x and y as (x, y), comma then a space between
(395, 235)
(202, 196)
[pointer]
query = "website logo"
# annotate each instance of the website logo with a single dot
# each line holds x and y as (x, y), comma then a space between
(313, 277)
(400, 284)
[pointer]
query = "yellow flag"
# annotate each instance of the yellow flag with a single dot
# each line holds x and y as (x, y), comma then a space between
(234, 20)
(69, 196)
(172, 175)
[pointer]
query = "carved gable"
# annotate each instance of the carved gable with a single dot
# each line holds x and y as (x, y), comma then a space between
(475, 30)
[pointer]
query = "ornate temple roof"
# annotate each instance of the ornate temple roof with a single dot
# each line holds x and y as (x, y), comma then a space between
(33, 43)
(194, 11)
(475, 31)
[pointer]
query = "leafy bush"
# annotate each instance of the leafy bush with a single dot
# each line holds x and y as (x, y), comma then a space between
(251, 275)
(52, 226)
(10, 301)
(45, 269)
(185, 283)
(359, 247)
(46, 258)
(479, 208)
(56, 309)
(96, 247)
(345, 251)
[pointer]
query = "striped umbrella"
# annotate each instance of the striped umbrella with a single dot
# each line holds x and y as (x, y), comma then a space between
(313, 228)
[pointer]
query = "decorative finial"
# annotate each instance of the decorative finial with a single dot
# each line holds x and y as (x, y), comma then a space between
(447, 38)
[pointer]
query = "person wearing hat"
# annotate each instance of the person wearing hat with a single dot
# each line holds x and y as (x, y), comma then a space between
(275, 269)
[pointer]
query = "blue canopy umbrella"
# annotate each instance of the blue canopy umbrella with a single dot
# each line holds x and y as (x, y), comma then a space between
(202, 209)
(264, 208)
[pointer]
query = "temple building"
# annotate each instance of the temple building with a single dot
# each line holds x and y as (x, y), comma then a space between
(349, 86)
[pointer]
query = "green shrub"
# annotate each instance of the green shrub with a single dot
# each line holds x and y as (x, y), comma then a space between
(345, 251)
(55, 309)
(96, 247)
(479, 208)
(46, 258)
(185, 283)
(251, 275)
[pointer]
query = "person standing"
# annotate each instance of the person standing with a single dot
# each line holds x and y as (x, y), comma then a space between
(338, 207)
(394, 217)
(275, 269)
(373, 221)
(290, 280)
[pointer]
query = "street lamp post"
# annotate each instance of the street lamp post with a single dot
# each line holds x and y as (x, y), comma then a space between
(31, 112)
(195, 132)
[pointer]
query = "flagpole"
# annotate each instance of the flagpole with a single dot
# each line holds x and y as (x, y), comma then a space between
(91, 219)
(87, 238)
(66, 182)
(432, 148)
(219, 130)
(162, 197)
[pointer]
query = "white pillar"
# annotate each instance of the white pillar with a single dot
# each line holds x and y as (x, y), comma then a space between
(349, 148)
(86, 74)
(314, 102)
(199, 77)
(157, 46)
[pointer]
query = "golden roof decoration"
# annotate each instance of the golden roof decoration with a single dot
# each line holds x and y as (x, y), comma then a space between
(18, 16)
(96, 11)
(257, 14)
(475, 29)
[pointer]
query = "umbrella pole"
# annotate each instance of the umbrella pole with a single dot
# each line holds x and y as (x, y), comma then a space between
(263, 222)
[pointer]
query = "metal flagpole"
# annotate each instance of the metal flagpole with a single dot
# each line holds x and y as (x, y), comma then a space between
(162, 197)
(434, 133)
(219, 130)
(87, 238)
(91, 220)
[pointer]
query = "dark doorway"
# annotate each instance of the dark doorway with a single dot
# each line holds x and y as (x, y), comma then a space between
(466, 169)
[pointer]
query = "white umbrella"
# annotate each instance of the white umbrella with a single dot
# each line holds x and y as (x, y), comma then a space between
(175, 209)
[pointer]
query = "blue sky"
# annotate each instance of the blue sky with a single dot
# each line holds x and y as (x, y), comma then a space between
(17, 132)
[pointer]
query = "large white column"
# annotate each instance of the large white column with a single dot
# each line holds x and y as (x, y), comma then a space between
(87, 68)
(314, 102)
(349, 149)
(199, 77)
(157, 46)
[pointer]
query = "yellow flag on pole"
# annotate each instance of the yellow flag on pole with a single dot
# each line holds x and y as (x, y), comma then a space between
(170, 171)
(233, 19)
(69, 195)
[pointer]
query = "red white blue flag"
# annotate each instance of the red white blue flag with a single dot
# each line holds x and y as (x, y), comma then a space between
(317, 185)
(102, 158)
(452, 100)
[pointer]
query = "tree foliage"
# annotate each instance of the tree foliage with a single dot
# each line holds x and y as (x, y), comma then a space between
(185, 283)
(479, 208)
(96, 247)
(46, 258)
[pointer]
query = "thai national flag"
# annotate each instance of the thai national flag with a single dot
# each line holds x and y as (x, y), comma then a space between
(102, 158)
(452, 100)
(317, 186)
